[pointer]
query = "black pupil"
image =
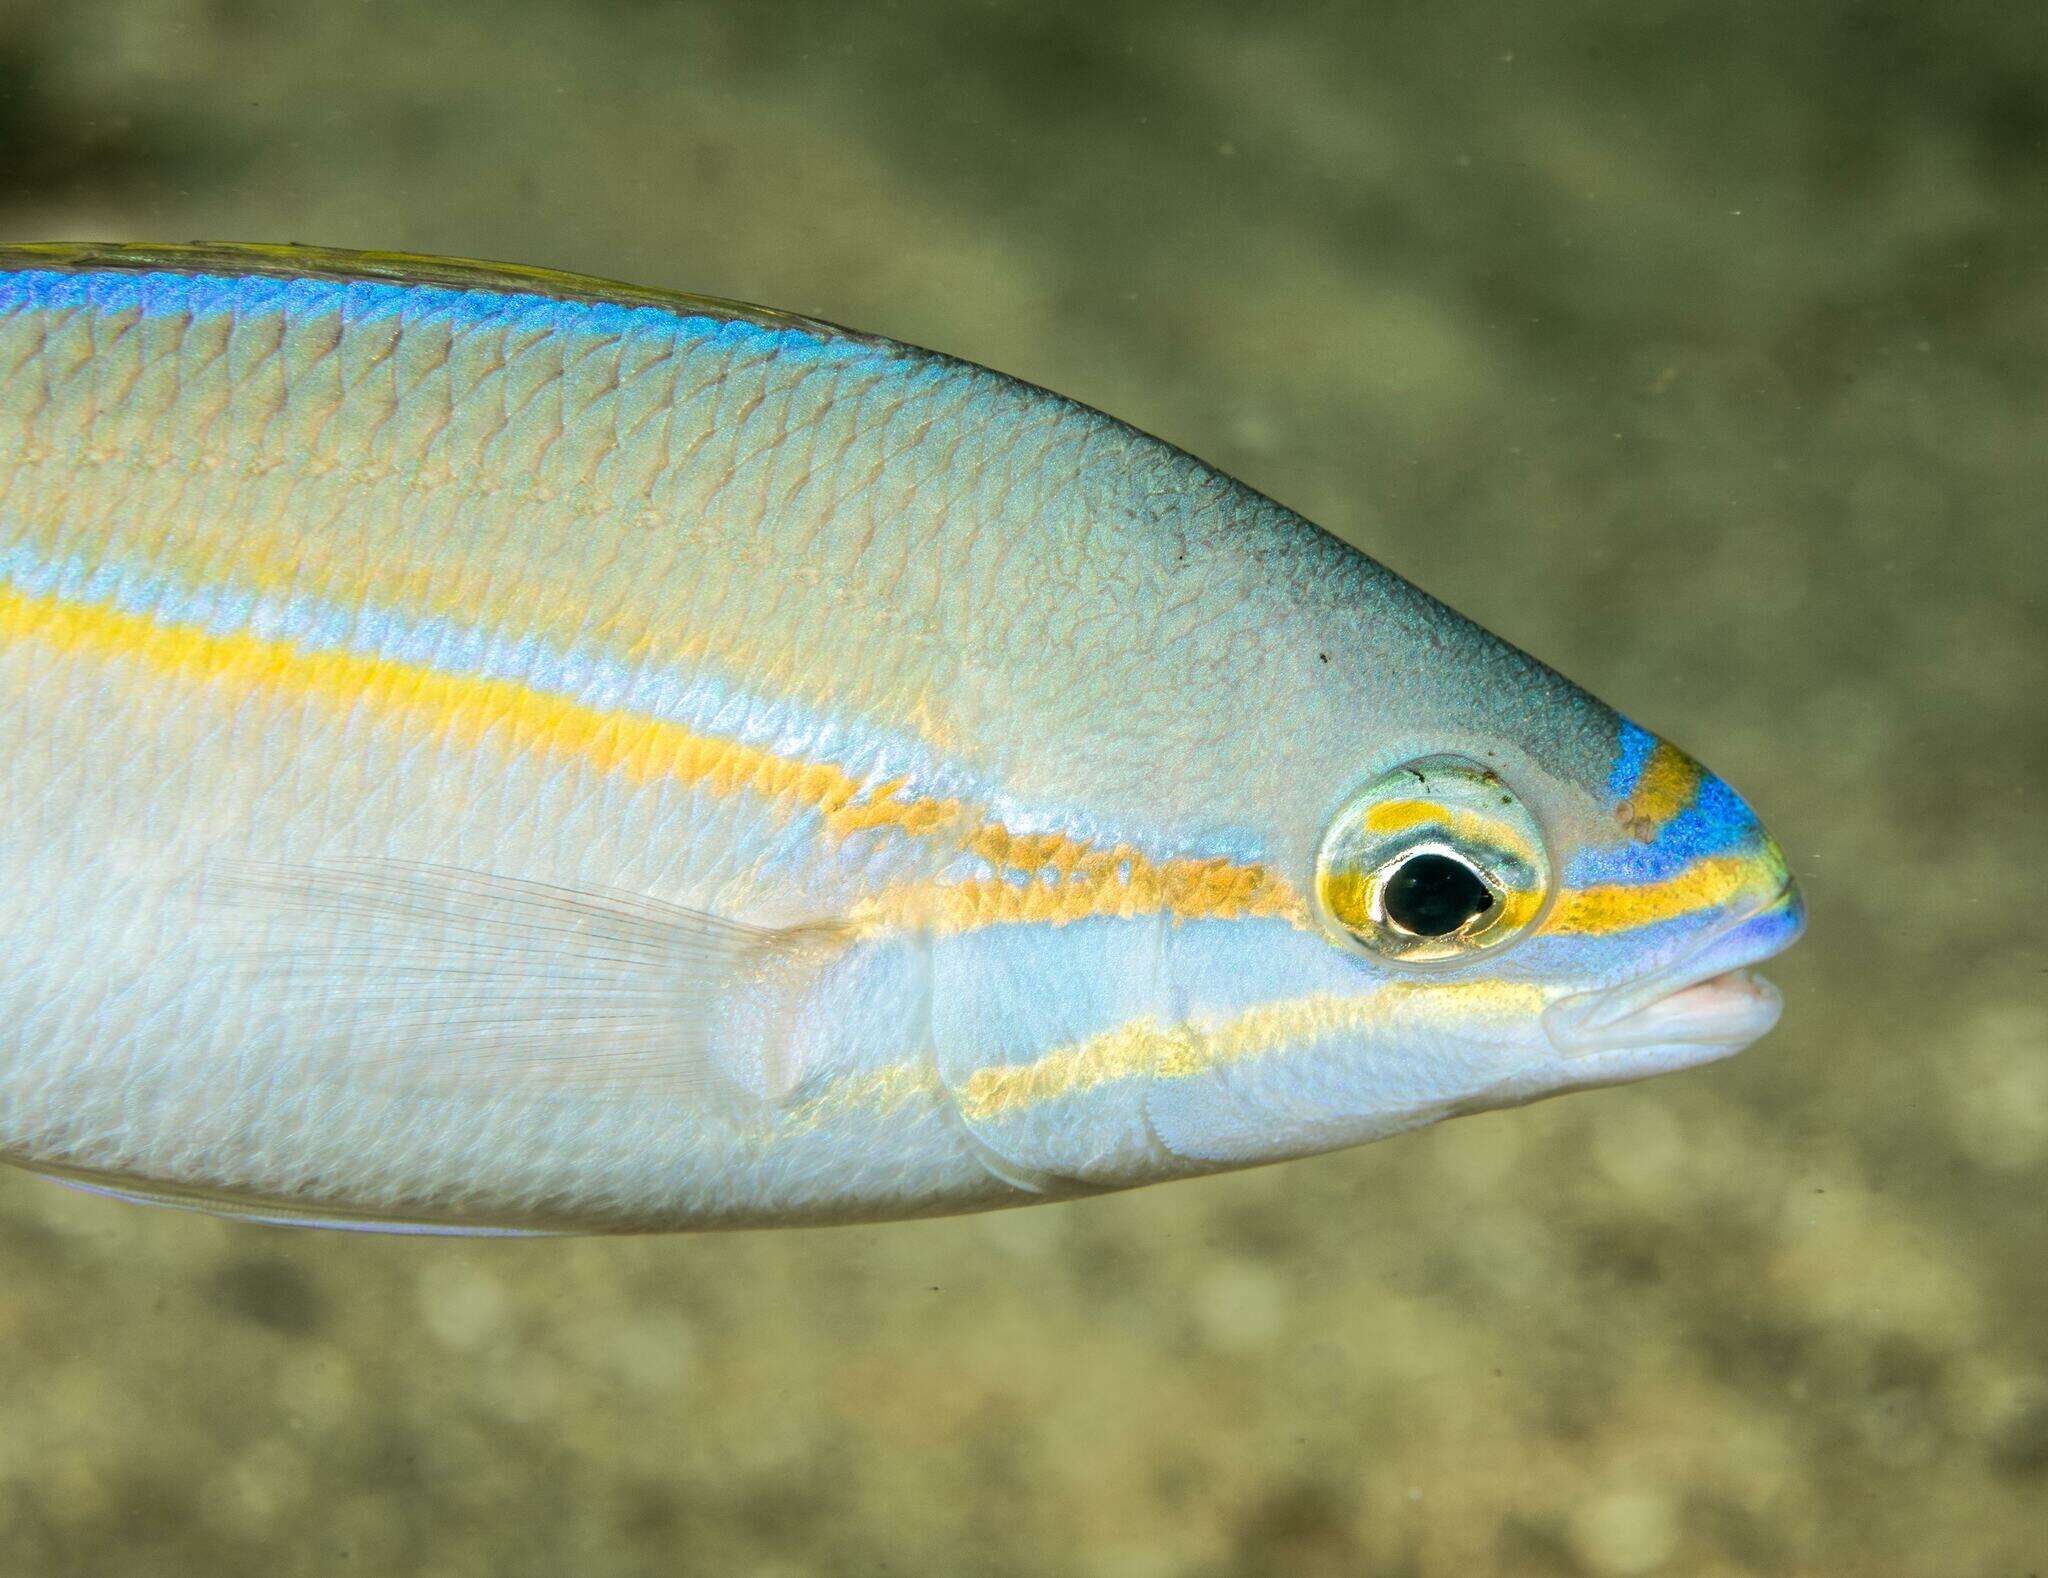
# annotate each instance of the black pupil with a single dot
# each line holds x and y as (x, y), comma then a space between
(1433, 895)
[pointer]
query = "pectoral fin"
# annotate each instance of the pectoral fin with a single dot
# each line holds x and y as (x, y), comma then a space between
(430, 974)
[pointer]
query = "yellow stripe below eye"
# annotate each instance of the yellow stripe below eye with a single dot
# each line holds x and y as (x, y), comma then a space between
(473, 710)
(1147, 1047)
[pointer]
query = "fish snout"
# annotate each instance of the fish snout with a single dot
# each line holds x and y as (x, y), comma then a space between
(1704, 1003)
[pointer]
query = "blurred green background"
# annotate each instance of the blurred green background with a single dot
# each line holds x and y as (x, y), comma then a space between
(1698, 348)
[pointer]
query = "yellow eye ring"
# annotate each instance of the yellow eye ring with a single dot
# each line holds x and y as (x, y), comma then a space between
(1433, 861)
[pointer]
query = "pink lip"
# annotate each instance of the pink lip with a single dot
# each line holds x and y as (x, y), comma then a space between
(1703, 1006)
(1728, 1010)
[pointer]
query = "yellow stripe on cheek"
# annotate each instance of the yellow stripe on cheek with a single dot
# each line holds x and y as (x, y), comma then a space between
(1613, 907)
(1147, 1047)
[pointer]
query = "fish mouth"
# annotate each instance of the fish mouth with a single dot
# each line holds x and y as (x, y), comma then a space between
(1707, 1004)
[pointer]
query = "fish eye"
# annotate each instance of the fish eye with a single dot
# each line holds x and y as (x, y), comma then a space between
(1433, 861)
(1432, 895)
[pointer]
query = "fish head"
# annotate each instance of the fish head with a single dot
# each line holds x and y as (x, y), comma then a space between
(1494, 918)
(1396, 870)
(1619, 918)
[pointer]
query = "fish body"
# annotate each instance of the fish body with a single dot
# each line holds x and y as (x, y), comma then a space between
(482, 749)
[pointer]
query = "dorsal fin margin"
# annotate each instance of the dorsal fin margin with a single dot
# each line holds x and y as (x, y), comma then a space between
(234, 259)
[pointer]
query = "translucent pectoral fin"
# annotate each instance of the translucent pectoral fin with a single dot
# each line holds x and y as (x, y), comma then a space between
(432, 975)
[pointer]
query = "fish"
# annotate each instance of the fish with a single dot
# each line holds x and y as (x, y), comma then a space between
(486, 750)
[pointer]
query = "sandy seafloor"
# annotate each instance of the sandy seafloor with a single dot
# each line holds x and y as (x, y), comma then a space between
(1701, 349)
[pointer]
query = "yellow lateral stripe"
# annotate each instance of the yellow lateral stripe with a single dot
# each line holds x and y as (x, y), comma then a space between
(1613, 907)
(462, 707)
(475, 710)
(1214, 889)
(1147, 1047)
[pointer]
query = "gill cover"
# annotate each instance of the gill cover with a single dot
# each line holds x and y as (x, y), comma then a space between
(1106, 1053)
(1368, 1037)
(1044, 1036)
